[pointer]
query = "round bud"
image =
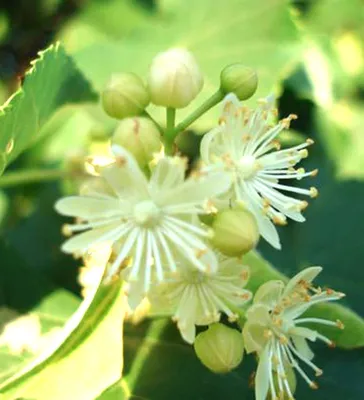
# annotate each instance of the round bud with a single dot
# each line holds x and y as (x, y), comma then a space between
(240, 80)
(124, 96)
(174, 78)
(235, 232)
(220, 348)
(139, 136)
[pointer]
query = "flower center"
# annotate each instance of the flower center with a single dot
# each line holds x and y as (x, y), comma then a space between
(247, 167)
(146, 213)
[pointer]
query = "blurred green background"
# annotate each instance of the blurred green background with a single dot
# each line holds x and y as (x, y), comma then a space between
(310, 53)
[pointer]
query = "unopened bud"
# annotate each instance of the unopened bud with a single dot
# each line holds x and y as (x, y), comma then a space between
(220, 348)
(240, 80)
(125, 96)
(235, 232)
(139, 136)
(174, 79)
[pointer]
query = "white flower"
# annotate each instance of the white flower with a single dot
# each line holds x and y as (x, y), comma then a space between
(246, 145)
(197, 298)
(274, 330)
(147, 221)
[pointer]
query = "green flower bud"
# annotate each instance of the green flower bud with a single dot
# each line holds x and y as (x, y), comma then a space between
(235, 232)
(174, 79)
(139, 136)
(125, 96)
(240, 80)
(220, 348)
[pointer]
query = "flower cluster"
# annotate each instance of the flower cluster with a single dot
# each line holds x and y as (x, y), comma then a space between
(175, 234)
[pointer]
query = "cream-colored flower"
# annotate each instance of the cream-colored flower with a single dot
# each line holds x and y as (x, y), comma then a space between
(148, 222)
(245, 144)
(198, 298)
(275, 331)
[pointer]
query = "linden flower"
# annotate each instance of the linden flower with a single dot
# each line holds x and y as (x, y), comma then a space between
(245, 144)
(274, 330)
(197, 298)
(147, 221)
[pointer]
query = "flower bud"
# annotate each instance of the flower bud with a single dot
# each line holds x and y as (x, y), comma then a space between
(220, 348)
(240, 80)
(124, 96)
(235, 232)
(174, 79)
(139, 136)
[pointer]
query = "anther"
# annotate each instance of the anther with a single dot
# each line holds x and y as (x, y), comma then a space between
(314, 385)
(310, 141)
(339, 324)
(313, 192)
(303, 153)
(120, 161)
(314, 172)
(200, 252)
(66, 230)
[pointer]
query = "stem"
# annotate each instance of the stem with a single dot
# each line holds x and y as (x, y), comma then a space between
(209, 103)
(31, 176)
(170, 134)
(146, 114)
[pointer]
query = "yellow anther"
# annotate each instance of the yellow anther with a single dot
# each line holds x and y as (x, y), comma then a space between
(339, 324)
(246, 137)
(314, 385)
(310, 141)
(319, 372)
(313, 192)
(222, 120)
(303, 205)
(314, 172)
(244, 275)
(66, 230)
(120, 161)
(279, 220)
(276, 144)
(200, 252)
(303, 153)
(267, 333)
(283, 340)
(332, 345)
(300, 171)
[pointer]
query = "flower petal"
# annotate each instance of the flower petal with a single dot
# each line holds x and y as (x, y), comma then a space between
(194, 192)
(269, 293)
(83, 241)
(125, 176)
(254, 339)
(263, 375)
(167, 174)
(302, 347)
(89, 207)
(307, 275)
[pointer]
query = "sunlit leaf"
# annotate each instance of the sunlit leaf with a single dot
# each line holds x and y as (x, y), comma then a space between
(84, 359)
(52, 82)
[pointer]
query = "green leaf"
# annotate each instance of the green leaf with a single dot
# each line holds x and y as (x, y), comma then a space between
(259, 34)
(52, 82)
(84, 360)
(32, 332)
(171, 370)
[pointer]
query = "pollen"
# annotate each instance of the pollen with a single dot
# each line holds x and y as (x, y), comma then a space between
(314, 385)
(339, 324)
(66, 230)
(120, 161)
(200, 252)
(313, 192)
